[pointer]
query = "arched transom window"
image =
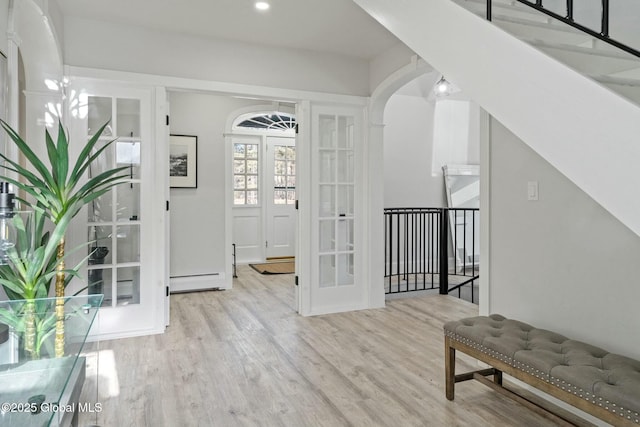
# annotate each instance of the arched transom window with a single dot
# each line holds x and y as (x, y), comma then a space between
(266, 121)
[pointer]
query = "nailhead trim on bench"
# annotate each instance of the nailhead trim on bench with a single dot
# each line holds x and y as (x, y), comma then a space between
(634, 416)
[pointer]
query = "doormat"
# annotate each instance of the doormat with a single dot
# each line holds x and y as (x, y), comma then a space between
(286, 267)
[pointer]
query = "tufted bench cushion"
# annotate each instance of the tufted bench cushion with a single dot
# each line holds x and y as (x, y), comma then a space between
(600, 377)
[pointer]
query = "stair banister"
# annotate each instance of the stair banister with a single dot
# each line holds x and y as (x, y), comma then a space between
(569, 20)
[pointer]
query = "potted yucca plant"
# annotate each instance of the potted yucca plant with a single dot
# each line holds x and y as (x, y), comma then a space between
(60, 192)
(27, 276)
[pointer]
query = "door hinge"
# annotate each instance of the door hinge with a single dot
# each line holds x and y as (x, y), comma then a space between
(167, 120)
(167, 205)
(167, 288)
(266, 243)
(296, 205)
(296, 128)
(296, 280)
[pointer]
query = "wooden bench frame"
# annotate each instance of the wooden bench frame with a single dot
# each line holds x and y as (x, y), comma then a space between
(596, 409)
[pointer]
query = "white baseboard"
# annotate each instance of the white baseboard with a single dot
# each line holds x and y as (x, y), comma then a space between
(198, 283)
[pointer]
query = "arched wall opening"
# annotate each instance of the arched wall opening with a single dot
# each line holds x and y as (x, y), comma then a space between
(412, 135)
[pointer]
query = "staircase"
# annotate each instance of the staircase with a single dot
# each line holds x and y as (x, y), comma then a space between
(604, 63)
(573, 99)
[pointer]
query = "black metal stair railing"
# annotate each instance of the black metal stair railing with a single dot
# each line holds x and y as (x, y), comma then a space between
(418, 258)
(603, 34)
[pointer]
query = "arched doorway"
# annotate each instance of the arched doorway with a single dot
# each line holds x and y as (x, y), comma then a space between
(263, 182)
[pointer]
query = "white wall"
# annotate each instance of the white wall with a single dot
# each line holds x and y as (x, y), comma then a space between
(198, 215)
(421, 134)
(97, 44)
(456, 134)
(4, 17)
(562, 263)
(408, 152)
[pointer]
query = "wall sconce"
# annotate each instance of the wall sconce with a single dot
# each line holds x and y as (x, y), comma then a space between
(442, 87)
(7, 228)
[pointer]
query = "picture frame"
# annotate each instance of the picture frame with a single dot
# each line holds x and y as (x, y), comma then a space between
(183, 161)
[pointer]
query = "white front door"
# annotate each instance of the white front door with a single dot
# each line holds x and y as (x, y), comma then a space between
(126, 224)
(280, 197)
(247, 192)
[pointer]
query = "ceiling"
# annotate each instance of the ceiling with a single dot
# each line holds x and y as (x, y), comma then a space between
(332, 26)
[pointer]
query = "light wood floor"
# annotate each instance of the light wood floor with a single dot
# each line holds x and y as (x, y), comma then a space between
(244, 358)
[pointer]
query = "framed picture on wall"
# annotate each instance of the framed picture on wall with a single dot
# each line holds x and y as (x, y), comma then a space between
(183, 161)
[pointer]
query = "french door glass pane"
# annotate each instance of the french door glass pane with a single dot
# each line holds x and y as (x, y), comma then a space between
(239, 182)
(128, 197)
(345, 166)
(252, 166)
(238, 198)
(100, 238)
(128, 117)
(345, 200)
(100, 282)
(252, 151)
(128, 239)
(280, 197)
(100, 209)
(238, 166)
(327, 271)
(345, 269)
(280, 167)
(345, 235)
(327, 166)
(327, 235)
(128, 155)
(99, 113)
(128, 285)
(291, 197)
(252, 182)
(104, 162)
(327, 200)
(327, 131)
(345, 132)
(252, 197)
(291, 153)
(239, 151)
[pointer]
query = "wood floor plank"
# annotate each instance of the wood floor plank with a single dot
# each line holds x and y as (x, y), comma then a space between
(244, 357)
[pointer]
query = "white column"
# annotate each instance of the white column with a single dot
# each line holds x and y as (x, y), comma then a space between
(485, 213)
(374, 237)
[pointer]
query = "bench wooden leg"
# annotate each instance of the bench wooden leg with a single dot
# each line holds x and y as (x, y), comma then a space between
(449, 368)
(497, 377)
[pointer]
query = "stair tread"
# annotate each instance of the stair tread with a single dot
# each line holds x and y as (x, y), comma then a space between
(596, 51)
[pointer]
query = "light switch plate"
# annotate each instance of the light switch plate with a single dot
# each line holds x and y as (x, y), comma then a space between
(532, 190)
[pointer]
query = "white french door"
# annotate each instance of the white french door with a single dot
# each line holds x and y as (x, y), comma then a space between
(280, 197)
(336, 146)
(122, 224)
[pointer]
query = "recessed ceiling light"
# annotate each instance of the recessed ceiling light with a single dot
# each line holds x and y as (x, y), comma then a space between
(262, 5)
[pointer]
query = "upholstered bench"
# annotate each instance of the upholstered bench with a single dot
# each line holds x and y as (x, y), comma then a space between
(603, 384)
